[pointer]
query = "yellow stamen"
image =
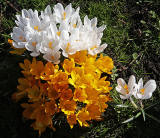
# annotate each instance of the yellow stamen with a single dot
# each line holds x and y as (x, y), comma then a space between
(34, 43)
(50, 44)
(92, 48)
(64, 15)
(126, 88)
(22, 38)
(142, 90)
(74, 25)
(67, 48)
(58, 33)
(36, 28)
(52, 57)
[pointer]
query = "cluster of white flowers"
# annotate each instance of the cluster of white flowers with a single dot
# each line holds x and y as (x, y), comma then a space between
(52, 32)
(137, 90)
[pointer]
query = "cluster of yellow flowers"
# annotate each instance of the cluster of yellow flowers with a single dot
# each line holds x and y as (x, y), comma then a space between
(75, 87)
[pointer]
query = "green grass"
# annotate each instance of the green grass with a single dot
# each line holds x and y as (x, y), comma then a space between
(133, 38)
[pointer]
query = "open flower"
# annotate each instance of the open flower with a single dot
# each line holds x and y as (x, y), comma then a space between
(145, 92)
(62, 14)
(125, 90)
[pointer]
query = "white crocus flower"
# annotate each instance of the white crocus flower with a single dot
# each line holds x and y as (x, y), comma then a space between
(62, 14)
(145, 92)
(52, 57)
(23, 20)
(70, 43)
(36, 25)
(75, 21)
(50, 43)
(126, 90)
(33, 45)
(18, 36)
(94, 36)
(47, 16)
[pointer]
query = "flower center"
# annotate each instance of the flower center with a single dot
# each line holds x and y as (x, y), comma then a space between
(52, 57)
(126, 88)
(22, 38)
(50, 44)
(64, 15)
(34, 44)
(58, 33)
(74, 25)
(142, 90)
(36, 28)
(92, 48)
(67, 48)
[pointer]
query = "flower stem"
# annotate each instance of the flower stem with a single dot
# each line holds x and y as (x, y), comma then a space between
(133, 103)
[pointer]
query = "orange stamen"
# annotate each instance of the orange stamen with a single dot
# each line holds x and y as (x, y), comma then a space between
(67, 48)
(142, 90)
(52, 57)
(58, 33)
(126, 88)
(74, 25)
(50, 44)
(64, 15)
(36, 28)
(34, 43)
(92, 48)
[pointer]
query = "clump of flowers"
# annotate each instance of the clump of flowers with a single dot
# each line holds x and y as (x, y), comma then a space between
(53, 33)
(76, 86)
(47, 87)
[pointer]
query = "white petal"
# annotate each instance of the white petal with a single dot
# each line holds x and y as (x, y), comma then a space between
(94, 22)
(101, 29)
(59, 8)
(34, 54)
(48, 10)
(121, 90)
(131, 83)
(149, 87)
(87, 22)
(68, 9)
(121, 82)
(123, 97)
(140, 84)
(65, 35)
(139, 95)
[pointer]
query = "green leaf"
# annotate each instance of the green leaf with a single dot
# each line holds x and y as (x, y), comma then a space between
(143, 113)
(132, 118)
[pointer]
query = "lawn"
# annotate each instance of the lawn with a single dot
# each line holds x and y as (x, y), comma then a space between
(133, 37)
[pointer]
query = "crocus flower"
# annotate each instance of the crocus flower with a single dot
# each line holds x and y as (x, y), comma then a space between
(126, 91)
(145, 92)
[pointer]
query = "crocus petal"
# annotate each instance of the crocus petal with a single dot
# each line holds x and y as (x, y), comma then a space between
(121, 82)
(149, 87)
(123, 97)
(131, 83)
(140, 83)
